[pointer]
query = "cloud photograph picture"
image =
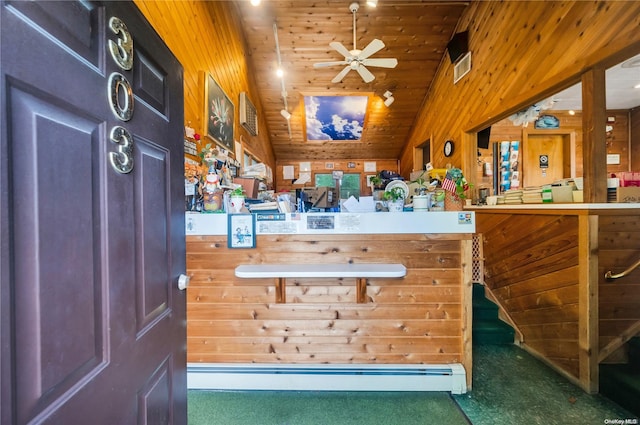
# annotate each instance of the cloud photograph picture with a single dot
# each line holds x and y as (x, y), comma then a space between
(335, 117)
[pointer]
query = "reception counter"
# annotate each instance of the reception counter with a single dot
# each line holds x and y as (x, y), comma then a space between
(417, 320)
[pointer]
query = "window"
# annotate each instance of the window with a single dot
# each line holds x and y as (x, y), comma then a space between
(350, 184)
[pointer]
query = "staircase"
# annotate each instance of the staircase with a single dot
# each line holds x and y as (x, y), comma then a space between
(488, 329)
(621, 382)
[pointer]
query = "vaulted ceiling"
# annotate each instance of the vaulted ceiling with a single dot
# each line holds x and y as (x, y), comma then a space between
(414, 32)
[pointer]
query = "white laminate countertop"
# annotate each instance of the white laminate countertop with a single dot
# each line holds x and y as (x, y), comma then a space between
(557, 206)
(340, 223)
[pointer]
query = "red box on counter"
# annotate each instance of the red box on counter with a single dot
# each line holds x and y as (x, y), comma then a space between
(250, 186)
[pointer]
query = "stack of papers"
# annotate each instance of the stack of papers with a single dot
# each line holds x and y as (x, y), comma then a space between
(513, 197)
(532, 195)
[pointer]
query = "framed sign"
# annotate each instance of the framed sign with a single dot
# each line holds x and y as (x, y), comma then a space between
(219, 115)
(241, 230)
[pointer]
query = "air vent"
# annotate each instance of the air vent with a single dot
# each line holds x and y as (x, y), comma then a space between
(248, 114)
(462, 67)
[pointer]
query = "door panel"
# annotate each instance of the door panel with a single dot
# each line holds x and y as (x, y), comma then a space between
(93, 325)
(543, 144)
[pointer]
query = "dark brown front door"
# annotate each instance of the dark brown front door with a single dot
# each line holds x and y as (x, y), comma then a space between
(92, 217)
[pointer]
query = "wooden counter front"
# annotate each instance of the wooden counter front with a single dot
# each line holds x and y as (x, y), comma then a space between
(422, 318)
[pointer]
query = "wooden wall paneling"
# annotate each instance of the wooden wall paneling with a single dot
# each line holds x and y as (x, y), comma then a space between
(634, 119)
(534, 276)
(321, 168)
(618, 300)
(205, 37)
(561, 41)
(418, 319)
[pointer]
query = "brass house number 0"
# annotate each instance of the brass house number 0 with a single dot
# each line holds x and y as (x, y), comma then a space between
(122, 54)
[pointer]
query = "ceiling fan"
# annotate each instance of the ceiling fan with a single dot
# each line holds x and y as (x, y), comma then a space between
(357, 59)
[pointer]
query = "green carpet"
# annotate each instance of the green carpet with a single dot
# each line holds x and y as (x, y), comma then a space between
(326, 408)
(512, 387)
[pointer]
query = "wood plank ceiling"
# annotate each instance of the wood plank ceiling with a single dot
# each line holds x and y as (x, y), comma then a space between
(414, 32)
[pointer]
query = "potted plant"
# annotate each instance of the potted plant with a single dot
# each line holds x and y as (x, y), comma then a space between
(236, 198)
(422, 198)
(395, 199)
(455, 185)
(377, 186)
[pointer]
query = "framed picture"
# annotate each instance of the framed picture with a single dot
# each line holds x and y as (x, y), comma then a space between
(219, 115)
(241, 231)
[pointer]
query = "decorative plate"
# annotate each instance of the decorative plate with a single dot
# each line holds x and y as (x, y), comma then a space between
(398, 183)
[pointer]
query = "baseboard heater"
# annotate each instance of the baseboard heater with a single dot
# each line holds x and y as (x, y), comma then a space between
(297, 377)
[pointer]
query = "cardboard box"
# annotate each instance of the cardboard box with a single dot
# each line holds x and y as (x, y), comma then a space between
(628, 194)
(249, 185)
(562, 194)
(321, 197)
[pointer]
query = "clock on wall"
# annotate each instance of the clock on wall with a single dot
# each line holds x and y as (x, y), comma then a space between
(448, 148)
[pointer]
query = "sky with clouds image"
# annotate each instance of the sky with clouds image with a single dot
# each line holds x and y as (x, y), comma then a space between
(335, 117)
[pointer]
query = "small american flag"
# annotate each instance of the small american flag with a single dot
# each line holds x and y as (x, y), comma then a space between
(448, 184)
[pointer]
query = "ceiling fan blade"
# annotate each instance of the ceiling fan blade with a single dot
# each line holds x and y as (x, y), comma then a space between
(341, 75)
(371, 48)
(326, 64)
(366, 75)
(340, 49)
(382, 62)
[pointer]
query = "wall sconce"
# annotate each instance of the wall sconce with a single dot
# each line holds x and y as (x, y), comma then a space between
(389, 98)
(285, 114)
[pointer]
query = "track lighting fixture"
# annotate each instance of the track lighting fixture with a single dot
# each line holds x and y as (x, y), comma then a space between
(285, 114)
(389, 98)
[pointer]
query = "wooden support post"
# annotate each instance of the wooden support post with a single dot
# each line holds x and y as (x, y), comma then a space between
(361, 290)
(281, 290)
(588, 344)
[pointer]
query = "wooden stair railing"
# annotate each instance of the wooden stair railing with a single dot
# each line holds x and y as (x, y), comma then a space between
(610, 276)
(619, 341)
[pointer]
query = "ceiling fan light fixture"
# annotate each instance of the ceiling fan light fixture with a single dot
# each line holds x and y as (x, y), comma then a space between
(285, 114)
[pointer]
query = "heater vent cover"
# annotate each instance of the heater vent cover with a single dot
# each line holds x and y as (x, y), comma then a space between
(248, 114)
(462, 67)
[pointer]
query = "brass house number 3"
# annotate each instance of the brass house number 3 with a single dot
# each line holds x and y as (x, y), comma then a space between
(119, 89)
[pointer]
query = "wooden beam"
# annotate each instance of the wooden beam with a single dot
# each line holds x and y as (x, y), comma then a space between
(594, 149)
(588, 302)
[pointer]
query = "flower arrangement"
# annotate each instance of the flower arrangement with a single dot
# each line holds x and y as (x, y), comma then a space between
(455, 183)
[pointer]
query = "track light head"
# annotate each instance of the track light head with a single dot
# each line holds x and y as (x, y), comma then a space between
(389, 101)
(285, 114)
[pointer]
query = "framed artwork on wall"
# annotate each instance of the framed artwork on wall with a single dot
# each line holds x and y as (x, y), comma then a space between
(241, 231)
(219, 115)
